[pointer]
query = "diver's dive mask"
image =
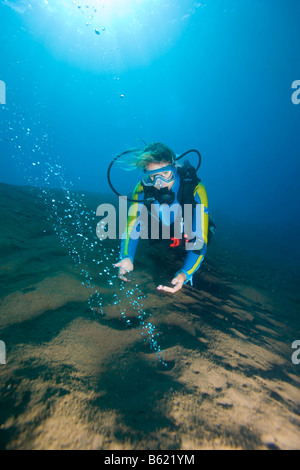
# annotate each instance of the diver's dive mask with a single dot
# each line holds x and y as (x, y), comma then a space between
(159, 177)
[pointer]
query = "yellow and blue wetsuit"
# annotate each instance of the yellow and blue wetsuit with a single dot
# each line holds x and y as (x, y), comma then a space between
(193, 259)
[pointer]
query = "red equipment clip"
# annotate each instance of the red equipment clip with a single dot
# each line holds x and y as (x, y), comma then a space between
(175, 242)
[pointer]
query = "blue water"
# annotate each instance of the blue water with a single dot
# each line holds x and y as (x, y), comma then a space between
(84, 84)
(81, 82)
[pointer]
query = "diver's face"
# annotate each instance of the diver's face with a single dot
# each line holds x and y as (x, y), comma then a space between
(166, 174)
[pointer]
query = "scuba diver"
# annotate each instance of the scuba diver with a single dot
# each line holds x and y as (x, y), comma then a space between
(168, 188)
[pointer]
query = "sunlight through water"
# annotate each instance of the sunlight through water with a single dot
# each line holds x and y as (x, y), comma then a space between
(106, 35)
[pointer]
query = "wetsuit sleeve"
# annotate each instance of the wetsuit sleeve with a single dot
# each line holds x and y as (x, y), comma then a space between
(200, 222)
(129, 242)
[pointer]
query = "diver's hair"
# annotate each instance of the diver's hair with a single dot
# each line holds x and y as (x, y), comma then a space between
(155, 152)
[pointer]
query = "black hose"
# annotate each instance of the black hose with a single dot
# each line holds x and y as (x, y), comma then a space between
(135, 150)
(189, 151)
(109, 170)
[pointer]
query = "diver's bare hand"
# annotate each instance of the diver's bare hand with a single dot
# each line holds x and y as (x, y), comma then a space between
(177, 282)
(125, 266)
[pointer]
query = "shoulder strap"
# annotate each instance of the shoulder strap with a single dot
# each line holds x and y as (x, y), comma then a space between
(149, 195)
(188, 181)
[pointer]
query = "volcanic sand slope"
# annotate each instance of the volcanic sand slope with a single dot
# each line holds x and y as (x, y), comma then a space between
(77, 380)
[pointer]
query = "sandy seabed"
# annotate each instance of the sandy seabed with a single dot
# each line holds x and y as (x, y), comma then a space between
(75, 379)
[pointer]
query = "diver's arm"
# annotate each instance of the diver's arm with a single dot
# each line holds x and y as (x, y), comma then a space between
(196, 254)
(130, 238)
